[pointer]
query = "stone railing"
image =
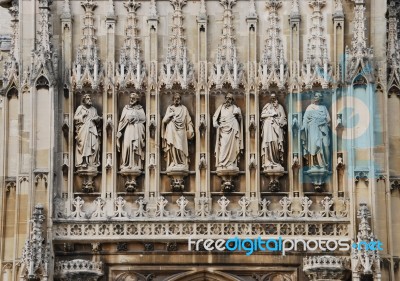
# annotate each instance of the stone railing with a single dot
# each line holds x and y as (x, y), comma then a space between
(181, 230)
(326, 268)
(287, 208)
(78, 269)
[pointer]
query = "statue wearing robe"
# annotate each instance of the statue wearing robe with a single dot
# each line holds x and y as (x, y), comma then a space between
(229, 138)
(177, 129)
(87, 152)
(272, 146)
(131, 136)
(315, 134)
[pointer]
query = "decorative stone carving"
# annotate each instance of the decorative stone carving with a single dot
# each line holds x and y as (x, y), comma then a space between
(119, 207)
(365, 261)
(141, 211)
(44, 61)
(36, 252)
(161, 203)
(79, 269)
(223, 203)
(153, 10)
(87, 146)
(316, 68)
(10, 67)
(152, 124)
(361, 175)
(132, 70)
(177, 129)
(338, 9)
(273, 120)
(359, 56)
(226, 68)
(99, 211)
(273, 68)
(394, 184)
(264, 212)
(122, 246)
(393, 54)
(78, 213)
(229, 141)
(87, 67)
(321, 268)
(203, 161)
(131, 141)
(244, 203)
(182, 203)
(316, 141)
(177, 68)
(203, 205)
(203, 124)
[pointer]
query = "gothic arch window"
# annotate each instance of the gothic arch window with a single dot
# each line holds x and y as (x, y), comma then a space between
(12, 92)
(42, 82)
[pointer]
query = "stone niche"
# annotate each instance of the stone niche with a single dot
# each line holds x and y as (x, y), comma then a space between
(186, 179)
(89, 182)
(217, 98)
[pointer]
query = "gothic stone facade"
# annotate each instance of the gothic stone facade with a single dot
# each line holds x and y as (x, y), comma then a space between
(249, 118)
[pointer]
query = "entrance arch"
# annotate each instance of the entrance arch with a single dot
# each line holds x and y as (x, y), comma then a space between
(204, 276)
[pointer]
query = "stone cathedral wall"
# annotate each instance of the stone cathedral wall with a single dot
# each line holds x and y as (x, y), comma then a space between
(70, 68)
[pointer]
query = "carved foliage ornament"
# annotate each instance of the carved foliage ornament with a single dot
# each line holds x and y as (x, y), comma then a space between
(131, 70)
(359, 56)
(36, 253)
(87, 67)
(227, 68)
(316, 68)
(273, 67)
(177, 69)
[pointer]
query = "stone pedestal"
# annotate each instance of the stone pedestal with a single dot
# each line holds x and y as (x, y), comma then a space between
(228, 175)
(273, 173)
(322, 268)
(78, 269)
(177, 174)
(130, 175)
(88, 174)
(318, 176)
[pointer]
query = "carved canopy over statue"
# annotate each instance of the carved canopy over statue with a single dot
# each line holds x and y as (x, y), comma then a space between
(86, 120)
(177, 129)
(131, 135)
(272, 146)
(229, 139)
(315, 134)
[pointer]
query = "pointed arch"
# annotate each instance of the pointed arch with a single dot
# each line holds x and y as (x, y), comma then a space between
(42, 82)
(204, 276)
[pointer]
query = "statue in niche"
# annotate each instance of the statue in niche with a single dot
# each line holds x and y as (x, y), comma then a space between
(315, 134)
(229, 139)
(131, 135)
(177, 129)
(86, 120)
(272, 146)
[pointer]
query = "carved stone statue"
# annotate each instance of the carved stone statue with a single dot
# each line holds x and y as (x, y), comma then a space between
(272, 146)
(315, 133)
(131, 135)
(229, 139)
(86, 120)
(177, 129)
